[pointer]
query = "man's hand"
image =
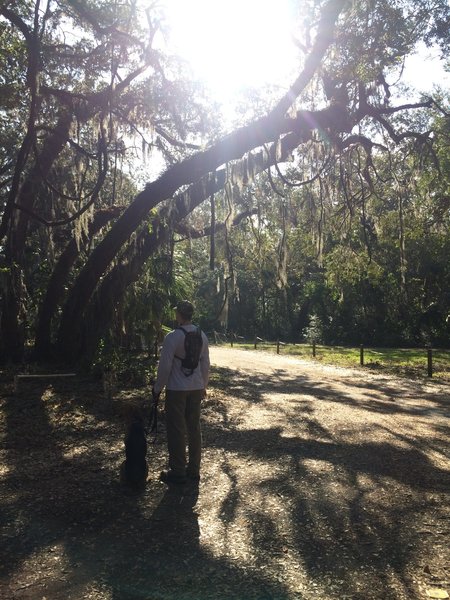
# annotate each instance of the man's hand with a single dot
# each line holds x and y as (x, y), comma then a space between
(204, 394)
(155, 395)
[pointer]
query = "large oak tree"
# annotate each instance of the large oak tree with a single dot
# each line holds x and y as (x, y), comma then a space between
(77, 102)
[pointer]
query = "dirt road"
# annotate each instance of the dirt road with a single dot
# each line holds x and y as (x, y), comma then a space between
(317, 482)
(337, 478)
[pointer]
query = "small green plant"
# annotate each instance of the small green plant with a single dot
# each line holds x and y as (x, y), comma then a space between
(107, 359)
(313, 333)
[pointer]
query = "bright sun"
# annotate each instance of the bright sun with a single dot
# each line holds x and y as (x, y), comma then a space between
(236, 44)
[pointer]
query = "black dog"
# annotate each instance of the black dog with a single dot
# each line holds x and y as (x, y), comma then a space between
(134, 469)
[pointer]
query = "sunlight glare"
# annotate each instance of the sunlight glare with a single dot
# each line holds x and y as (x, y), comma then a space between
(425, 69)
(234, 45)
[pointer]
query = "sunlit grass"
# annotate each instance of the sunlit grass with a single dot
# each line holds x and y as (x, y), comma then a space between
(410, 362)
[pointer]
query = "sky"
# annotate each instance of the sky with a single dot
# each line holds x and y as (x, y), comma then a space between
(248, 43)
(425, 69)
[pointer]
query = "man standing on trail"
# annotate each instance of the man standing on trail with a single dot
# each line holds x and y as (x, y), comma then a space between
(184, 370)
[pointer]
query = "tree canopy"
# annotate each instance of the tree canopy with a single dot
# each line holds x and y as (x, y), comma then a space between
(327, 174)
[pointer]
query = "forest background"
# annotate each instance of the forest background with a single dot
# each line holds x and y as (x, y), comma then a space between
(124, 186)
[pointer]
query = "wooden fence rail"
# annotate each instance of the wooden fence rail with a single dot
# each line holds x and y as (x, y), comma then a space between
(233, 338)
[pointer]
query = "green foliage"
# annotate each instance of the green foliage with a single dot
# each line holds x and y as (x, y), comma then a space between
(127, 368)
(338, 249)
(344, 270)
(313, 333)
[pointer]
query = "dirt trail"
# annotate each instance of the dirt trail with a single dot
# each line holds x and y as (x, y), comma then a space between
(317, 482)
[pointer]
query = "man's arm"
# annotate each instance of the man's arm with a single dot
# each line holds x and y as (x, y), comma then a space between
(165, 362)
(204, 362)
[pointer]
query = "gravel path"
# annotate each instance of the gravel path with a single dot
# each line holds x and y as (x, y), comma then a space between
(339, 477)
(317, 482)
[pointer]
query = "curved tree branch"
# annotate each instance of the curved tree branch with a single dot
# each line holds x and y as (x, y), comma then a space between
(190, 233)
(149, 239)
(232, 147)
(325, 34)
(102, 159)
(33, 51)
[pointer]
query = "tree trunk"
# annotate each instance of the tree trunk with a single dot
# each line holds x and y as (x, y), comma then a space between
(402, 248)
(43, 347)
(212, 242)
(113, 287)
(12, 325)
(51, 149)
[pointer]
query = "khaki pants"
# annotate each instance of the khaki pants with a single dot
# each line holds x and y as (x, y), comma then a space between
(183, 424)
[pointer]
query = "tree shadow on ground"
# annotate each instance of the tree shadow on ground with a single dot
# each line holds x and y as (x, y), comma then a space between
(380, 395)
(69, 530)
(358, 509)
(373, 397)
(345, 509)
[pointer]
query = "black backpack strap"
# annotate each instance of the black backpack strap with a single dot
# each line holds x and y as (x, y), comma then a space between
(185, 334)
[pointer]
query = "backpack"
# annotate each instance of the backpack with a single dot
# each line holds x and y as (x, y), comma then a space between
(193, 344)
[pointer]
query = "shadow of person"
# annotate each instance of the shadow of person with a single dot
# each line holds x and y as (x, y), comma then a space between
(176, 520)
(163, 557)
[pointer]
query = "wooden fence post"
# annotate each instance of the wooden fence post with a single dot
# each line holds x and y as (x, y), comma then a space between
(314, 349)
(430, 361)
(361, 355)
(278, 346)
(255, 341)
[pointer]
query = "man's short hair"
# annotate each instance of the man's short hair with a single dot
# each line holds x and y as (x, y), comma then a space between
(185, 308)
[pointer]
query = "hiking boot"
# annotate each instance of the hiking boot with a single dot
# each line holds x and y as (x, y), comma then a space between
(171, 477)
